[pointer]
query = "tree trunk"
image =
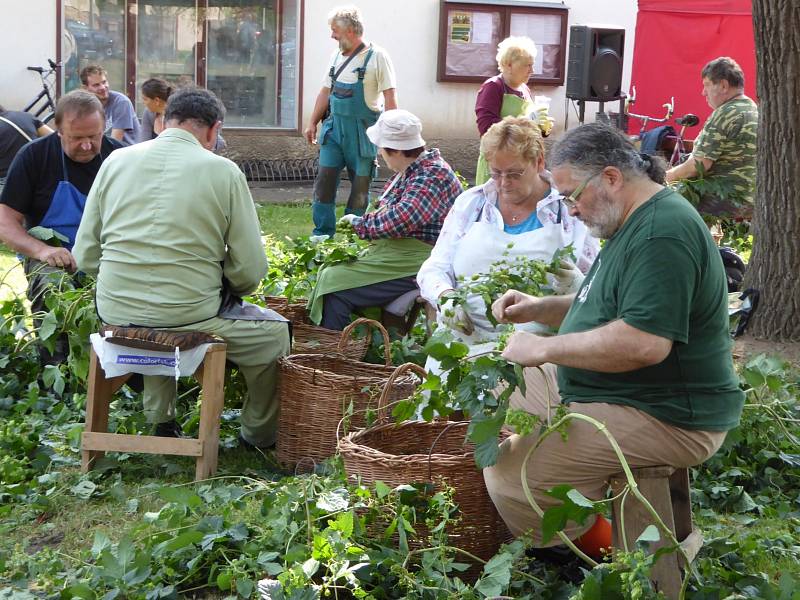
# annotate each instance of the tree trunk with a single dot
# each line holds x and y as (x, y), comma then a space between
(774, 267)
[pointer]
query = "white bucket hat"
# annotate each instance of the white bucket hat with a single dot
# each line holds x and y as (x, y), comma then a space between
(397, 129)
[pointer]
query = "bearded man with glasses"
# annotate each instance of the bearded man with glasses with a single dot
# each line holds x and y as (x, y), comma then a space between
(643, 346)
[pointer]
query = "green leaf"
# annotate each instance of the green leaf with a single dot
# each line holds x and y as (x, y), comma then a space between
(78, 590)
(224, 580)
(486, 453)
(496, 575)
(245, 587)
(382, 489)
(556, 517)
(650, 535)
(344, 524)
(182, 496)
(53, 378)
(46, 234)
(187, 538)
(483, 428)
(553, 521)
(84, 489)
(579, 499)
(49, 326)
(334, 500)
(101, 542)
(310, 567)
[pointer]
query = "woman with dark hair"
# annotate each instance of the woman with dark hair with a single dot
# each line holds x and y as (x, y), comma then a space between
(155, 93)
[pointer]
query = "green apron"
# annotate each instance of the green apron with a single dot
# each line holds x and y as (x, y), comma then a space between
(383, 260)
(513, 106)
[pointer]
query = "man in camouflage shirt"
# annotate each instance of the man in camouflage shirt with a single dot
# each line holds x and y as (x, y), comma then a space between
(726, 147)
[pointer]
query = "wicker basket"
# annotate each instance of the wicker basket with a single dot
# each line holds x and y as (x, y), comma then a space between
(315, 392)
(436, 452)
(311, 339)
(296, 312)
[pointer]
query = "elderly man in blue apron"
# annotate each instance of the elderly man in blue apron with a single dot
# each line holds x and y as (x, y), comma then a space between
(42, 203)
(347, 104)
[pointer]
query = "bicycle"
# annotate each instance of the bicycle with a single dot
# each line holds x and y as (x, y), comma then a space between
(678, 153)
(647, 119)
(48, 107)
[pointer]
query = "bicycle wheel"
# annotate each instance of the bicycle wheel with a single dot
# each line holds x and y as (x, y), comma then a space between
(48, 117)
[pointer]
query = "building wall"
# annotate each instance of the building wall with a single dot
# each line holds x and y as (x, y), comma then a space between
(408, 29)
(27, 38)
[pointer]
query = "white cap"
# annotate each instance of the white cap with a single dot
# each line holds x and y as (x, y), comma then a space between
(397, 129)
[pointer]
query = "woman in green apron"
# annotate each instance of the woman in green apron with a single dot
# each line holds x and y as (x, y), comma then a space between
(508, 94)
(402, 228)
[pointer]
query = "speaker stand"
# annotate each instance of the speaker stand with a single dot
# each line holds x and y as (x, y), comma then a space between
(601, 114)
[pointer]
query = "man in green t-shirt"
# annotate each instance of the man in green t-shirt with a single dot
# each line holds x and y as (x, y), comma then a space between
(726, 147)
(643, 346)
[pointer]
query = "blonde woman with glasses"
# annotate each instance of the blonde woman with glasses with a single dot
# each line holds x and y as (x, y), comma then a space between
(518, 212)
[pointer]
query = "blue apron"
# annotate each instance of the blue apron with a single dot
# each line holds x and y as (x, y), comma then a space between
(66, 208)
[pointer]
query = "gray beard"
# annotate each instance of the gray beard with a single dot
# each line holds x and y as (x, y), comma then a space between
(608, 222)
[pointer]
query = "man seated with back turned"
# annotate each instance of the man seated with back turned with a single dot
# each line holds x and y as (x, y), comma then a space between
(166, 223)
(642, 347)
(726, 147)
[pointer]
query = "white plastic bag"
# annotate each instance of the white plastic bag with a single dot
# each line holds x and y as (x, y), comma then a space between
(119, 360)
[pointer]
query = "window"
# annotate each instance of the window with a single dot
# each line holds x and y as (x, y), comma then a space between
(470, 31)
(245, 51)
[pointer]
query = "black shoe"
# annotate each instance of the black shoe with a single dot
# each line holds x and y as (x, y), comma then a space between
(169, 429)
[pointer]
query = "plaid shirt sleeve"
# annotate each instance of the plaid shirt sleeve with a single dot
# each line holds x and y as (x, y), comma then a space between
(414, 207)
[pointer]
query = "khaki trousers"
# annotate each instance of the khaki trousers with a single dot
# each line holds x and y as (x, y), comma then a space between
(254, 347)
(585, 460)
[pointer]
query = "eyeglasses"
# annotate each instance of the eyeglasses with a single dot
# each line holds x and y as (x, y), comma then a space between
(508, 175)
(571, 200)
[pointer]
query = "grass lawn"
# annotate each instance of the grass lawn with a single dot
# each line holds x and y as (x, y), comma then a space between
(12, 278)
(292, 220)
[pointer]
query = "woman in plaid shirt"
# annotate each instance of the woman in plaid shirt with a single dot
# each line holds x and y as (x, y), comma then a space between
(402, 227)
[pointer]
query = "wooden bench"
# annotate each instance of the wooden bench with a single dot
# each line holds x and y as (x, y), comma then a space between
(667, 490)
(96, 440)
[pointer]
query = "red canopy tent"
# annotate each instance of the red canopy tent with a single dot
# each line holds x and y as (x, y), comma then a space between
(674, 40)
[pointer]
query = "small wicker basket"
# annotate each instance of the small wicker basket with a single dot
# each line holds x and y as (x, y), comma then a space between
(421, 452)
(316, 391)
(311, 339)
(296, 312)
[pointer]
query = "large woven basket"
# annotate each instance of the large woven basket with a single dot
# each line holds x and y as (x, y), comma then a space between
(296, 312)
(311, 339)
(435, 452)
(316, 392)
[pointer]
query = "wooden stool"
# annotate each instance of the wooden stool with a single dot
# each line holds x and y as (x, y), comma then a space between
(667, 489)
(96, 439)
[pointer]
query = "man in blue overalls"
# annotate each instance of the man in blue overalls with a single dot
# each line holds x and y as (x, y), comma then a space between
(46, 187)
(347, 104)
